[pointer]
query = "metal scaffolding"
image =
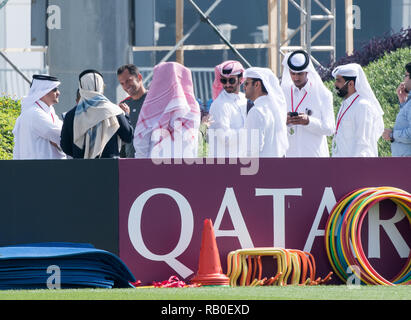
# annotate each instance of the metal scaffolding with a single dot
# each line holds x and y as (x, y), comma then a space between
(278, 37)
(307, 38)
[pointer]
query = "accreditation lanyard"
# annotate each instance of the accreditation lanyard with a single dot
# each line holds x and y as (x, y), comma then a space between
(45, 111)
(292, 101)
(342, 115)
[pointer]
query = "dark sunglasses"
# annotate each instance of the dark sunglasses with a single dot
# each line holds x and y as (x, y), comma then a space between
(230, 81)
(55, 89)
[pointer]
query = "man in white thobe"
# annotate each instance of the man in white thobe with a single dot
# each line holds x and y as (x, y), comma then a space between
(266, 120)
(227, 112)
(359, 122)
(38, 128)
(310, 117)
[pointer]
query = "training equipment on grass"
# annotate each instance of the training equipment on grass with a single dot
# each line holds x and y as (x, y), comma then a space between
(61, 265)
(173, 282)
(343, 234)
(290, 262)
(209, 272)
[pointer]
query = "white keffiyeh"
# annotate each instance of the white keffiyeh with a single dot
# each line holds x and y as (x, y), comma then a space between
(95, 120)
(278, 105)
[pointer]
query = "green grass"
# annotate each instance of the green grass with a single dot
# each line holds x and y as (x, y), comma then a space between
(327, 292)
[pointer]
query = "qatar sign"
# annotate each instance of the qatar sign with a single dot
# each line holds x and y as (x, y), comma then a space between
(286, 204)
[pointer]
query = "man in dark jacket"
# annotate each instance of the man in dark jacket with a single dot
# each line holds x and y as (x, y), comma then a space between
(95, 127)
(131, 80)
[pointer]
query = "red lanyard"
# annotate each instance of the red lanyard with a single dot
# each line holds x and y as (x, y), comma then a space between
(292, 101)
(45, 111)
(340, 117)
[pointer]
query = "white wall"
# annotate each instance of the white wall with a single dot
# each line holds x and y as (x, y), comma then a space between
(400, 14)
(407, 14)
(15, 19)
(2, 34)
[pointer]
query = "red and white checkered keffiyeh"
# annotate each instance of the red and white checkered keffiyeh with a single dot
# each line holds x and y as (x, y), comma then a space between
(231, 68)
(169, 99)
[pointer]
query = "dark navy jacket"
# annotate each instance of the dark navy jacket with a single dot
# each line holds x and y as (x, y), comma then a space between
(111, 150)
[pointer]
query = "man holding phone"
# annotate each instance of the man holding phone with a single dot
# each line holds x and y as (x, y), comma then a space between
(310, 117)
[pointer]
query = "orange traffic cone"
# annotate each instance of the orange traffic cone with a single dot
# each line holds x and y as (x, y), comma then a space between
(209, 271)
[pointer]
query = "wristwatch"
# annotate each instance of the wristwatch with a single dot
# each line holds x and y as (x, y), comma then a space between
(392, 136)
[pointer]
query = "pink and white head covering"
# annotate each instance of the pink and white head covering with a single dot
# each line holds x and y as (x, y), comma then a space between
(170, 98)
(227, 69)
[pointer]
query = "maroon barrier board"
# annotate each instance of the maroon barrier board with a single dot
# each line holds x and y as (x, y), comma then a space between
(286, 203)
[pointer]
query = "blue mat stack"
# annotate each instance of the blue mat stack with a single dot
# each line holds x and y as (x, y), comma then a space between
(77, 265)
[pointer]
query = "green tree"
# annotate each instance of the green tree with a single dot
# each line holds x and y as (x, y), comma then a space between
(9, 111)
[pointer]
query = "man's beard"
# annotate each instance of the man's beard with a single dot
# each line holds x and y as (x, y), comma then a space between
(230, 90)
(341, 92)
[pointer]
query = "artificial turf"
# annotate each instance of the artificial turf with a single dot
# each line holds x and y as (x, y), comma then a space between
(328, 292)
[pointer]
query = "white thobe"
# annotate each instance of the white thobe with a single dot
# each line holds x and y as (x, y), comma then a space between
(228, 113)
(34, 131)
(260, 125)
(356, 135)
(309, 140)
(183, 145)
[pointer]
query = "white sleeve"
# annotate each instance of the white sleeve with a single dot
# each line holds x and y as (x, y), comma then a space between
(363, 132)
(44, 127)
(220, 117)
(142, 146)
(325, 123)
(254, 123)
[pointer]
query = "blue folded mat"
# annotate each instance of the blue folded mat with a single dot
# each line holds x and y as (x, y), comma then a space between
(81, 266)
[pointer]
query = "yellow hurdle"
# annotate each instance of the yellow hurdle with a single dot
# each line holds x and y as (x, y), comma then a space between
(293, 267)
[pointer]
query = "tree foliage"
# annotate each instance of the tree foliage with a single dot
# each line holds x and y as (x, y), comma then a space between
(9, 111)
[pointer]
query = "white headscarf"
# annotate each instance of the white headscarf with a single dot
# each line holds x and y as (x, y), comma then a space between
(95, 120)
(279, 106)
(91, 84)
(363, 89)
(38, 89)
(319, 90)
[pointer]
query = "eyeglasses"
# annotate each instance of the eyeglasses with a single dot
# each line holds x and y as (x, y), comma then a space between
(55, 89)
(230, 80)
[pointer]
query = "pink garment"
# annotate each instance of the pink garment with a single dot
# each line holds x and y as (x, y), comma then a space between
(170, 98)
(236, 68)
